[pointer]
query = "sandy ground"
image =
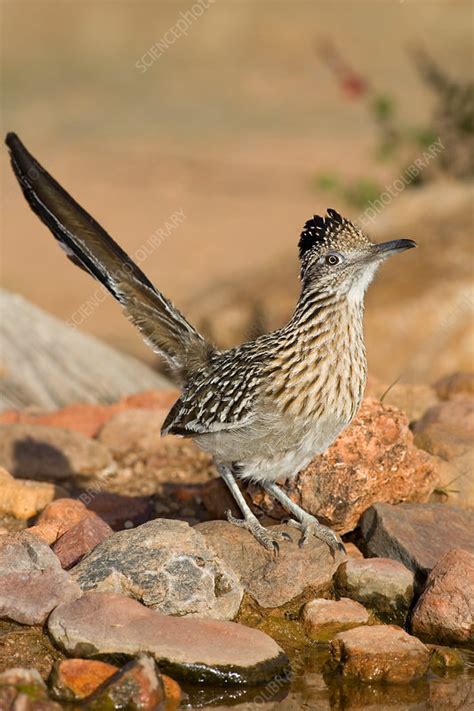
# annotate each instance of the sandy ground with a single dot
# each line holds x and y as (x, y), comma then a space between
(229, 126)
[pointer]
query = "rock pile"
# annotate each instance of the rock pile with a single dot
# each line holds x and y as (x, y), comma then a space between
(107, 550)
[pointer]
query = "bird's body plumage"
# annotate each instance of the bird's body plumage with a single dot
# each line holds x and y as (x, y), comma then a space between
(262, 409)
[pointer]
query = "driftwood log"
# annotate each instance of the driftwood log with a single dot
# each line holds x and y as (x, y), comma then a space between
(48, 364)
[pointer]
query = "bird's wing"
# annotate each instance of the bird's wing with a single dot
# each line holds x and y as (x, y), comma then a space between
(219, 398)
(88, 245)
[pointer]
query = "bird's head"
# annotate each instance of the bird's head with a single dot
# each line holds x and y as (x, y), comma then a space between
(337, 257)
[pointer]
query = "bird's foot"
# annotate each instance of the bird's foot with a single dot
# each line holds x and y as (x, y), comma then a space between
(310, 526)
(268, 539)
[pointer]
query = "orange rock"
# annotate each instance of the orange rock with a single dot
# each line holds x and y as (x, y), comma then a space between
(353, 551)
(78, 678)
(87, 418)
(372, 460)
(22, 498)
(58, 517)
(172, 693)
(151, 399)
(382, 653)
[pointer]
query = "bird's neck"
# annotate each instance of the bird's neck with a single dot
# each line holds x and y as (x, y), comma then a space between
(322, 356)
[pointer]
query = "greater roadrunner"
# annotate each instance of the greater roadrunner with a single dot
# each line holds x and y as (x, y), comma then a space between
(262, 409)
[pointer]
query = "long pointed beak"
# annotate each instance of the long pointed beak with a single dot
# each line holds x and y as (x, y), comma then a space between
(386, 249)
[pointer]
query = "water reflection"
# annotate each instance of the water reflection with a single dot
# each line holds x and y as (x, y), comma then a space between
(310, 688)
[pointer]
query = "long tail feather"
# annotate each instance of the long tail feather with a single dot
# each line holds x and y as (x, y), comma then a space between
(89, 246)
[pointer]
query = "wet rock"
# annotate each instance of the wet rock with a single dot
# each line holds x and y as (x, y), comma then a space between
(173, 693)
(80, 540)
(379, 653)
(323, 619)
(196, 649)
(136, 687)
(32, 581)
(447, 431)
(26, 647)
(24, 690)
(272, 581)
(456, 385)
(451, 694)
(58, 518)
(373, 460)
(23, 499)
(74, 679)
(51, 454)
(384, 586)
(417, 535)
(445, 659)
(445, 611)
(168, 566)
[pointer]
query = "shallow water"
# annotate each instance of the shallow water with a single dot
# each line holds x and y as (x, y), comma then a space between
(308, 687)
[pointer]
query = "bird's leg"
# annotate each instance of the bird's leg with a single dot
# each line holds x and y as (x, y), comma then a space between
(268, 539)
(305, 522)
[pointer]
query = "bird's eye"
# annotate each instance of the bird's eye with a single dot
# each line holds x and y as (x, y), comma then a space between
(333, 259)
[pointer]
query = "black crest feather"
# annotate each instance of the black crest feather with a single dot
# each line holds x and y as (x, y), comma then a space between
(318, 229)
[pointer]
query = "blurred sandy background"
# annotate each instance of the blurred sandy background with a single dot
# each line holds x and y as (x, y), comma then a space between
(230, 125)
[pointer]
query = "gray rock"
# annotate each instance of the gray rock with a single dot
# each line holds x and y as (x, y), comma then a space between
(271, 580)
(383, 585)
(32, 581)
(61, 365)
(200, 650)
(51, 453)
(168, 566)
(417, 535)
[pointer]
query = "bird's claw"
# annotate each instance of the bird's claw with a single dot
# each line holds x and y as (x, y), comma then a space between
(268, 539)
(310, 527)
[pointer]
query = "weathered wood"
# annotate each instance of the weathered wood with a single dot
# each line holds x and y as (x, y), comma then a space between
(48, 364)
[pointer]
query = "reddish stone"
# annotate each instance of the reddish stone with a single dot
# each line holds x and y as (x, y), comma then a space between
(80, 540)
(372, 460)
(383, 585)
(78, 678)
(137, 686)
(87, 418)
(151, 399)
(455, 385)
(32, 582)
(445, 611)
(381, 653)
(51, 453)
(58, 517)
(172, 693)
(119, 511)
(353, 551)
(323, 619)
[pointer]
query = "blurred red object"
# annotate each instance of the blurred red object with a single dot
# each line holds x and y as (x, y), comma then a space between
(352, 84)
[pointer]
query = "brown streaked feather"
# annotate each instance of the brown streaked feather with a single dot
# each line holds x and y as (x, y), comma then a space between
(89, 246)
